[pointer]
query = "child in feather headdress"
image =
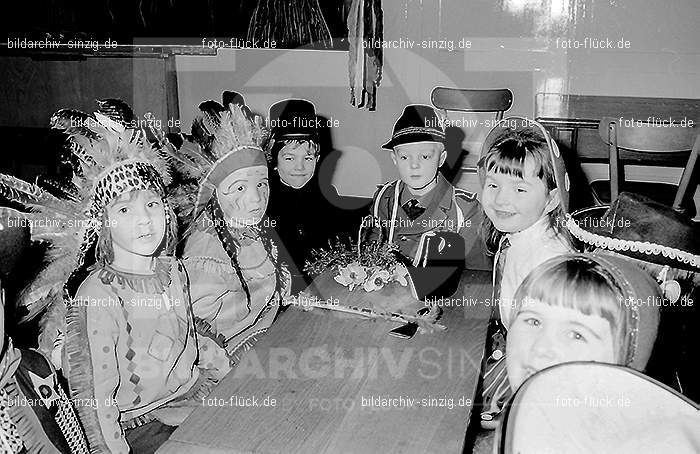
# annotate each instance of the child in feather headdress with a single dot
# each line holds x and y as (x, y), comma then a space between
(236, 280)
(130, 345)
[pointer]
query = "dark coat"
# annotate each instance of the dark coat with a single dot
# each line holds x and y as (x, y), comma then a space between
(304, 219)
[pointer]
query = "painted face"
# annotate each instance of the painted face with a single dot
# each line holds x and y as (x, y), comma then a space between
(243, 196)
(296, 163)
(542, 335)
(514, 204)
(418, 163)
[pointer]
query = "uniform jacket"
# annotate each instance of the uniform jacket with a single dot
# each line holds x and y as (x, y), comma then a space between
(446, 209)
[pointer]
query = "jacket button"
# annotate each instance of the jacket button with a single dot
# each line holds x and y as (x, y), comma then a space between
(403, 238)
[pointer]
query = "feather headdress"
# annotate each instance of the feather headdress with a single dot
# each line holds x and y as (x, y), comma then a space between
(111, 157)
(224, 138)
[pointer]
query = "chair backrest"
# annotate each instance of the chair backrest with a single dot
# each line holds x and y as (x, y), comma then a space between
(585, 407)
(467, 100)
(634, 142)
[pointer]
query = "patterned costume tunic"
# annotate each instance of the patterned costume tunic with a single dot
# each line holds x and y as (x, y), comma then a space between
(130, 348)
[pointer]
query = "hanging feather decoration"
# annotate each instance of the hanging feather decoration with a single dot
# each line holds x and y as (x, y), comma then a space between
(290, 24)
(365, 60)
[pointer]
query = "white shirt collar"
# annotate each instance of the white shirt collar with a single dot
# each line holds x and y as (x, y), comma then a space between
(536, 230)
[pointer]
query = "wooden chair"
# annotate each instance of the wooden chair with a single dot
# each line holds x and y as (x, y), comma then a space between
(468, 100)
(497, 101)
(648, 144)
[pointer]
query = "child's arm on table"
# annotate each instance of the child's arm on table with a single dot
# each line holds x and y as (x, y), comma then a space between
(212, 356)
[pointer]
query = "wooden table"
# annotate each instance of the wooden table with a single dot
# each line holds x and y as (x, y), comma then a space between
(316, 381)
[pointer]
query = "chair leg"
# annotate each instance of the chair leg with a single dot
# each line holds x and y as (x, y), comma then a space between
(687, 177)
(614, 163)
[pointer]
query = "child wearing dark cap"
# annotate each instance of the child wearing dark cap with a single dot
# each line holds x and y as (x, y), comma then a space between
(423, 208)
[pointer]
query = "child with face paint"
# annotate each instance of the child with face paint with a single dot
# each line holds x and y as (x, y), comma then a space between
(236, 282)
(303, 212)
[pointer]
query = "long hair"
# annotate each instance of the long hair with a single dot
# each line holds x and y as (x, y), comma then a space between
(231, 247)
(508, 156)
(579, 283)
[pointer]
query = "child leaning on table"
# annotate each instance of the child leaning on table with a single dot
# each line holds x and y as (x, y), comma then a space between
(524, 196)
(130, 345)
(578, 307)
(422, 207)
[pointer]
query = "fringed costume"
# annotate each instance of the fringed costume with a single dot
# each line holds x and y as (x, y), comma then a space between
(236, 281)
(35, 413)
(128, 341)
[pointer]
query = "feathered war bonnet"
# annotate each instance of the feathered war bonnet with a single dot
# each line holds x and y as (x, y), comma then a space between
(111, 156)
(226, 138)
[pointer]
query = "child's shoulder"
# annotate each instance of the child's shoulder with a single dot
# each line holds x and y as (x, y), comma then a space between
(204, 243)
(381, 200)
(93, 286)
(386, 190)
(463, 196)
(467, 202)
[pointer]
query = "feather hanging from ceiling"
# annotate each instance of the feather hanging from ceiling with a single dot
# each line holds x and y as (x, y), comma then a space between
(290, 24)
(365, 35)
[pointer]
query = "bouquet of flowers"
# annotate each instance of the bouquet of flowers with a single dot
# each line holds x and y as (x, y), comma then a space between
(370, 266)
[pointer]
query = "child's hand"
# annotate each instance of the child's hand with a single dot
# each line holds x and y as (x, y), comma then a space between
(174, 416)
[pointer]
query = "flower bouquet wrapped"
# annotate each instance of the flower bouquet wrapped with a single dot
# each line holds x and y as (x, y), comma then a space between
(344, 269)
(371, 266)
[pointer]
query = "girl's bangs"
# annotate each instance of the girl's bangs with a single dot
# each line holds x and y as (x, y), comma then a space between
(574, 285)
(509, 158)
